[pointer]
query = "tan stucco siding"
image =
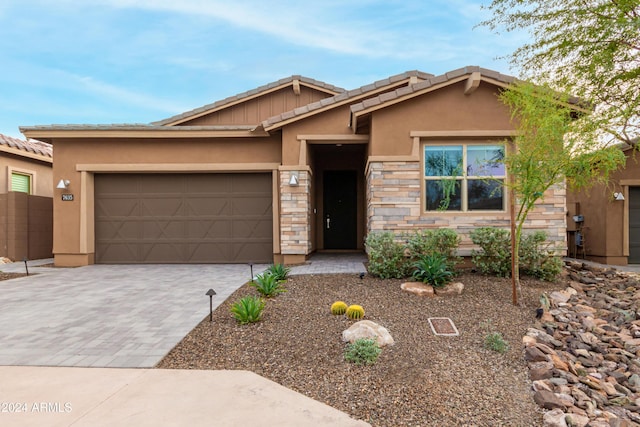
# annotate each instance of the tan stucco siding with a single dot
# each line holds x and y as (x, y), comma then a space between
(41, 174)
(253, 111)
(605, 230)
(447, 109)
(73, 220)
(331, 122)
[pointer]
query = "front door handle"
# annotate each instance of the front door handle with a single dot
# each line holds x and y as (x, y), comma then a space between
(328, 222)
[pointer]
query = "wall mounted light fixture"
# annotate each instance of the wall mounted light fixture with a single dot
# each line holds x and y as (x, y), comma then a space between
(63, 184)
(618, 196)
(294, 181)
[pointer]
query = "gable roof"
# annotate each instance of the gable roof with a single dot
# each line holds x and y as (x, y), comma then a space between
(31, 148)
(245, 96)
(349, 96)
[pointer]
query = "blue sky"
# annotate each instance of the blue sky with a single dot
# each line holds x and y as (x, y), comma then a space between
(137, 61)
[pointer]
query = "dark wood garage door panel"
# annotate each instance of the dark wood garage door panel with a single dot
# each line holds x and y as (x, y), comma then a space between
(183, 218)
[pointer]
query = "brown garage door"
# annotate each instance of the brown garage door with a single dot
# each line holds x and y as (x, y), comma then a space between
(183, 218)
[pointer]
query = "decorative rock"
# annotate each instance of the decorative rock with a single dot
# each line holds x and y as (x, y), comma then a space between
(455, 288)
(368, 329)
(548, 400)
(575, 420)
(418, 288)
(533, 354)
(555, 418)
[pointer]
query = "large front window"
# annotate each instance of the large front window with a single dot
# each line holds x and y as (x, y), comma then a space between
(464, 177)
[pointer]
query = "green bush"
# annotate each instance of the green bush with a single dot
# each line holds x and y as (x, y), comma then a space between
(496, 342)
(494, 257)
(441, 240)
(248, 309)
(363, 351)
(279, 271)
(268, 284)
(386, 256)
(433, 269)
(536, 259)
(495, 254)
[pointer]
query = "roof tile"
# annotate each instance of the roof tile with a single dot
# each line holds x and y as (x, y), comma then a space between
(247, 94)
(30, 145)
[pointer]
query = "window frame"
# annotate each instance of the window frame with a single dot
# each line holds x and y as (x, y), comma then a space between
(463, 179)
(29, 174)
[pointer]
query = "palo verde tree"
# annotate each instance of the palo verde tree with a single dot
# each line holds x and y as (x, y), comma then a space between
(546, 152)
(588, 48)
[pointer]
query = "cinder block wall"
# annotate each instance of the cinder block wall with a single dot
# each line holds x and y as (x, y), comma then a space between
(26, 226)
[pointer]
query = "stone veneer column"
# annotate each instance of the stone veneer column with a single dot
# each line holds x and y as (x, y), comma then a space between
(295, 206)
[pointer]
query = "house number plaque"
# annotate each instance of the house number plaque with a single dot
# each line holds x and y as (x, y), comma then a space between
(67, 197)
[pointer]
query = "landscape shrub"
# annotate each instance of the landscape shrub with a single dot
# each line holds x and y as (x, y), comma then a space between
(364, 351)
(269, 285)
(433, 269)
(279, 271)
(441, 240)
(536, 259)
(386, 256)
(248, 309)
(494, 256)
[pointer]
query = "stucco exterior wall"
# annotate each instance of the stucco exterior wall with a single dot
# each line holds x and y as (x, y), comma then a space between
(605, 226)
(41, 172)
(73, 238)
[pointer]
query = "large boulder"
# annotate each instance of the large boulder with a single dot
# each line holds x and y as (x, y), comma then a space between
(418, 288)
(454, 288)
(368, 329)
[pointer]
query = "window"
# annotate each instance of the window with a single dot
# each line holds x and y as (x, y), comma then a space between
(464, 177)
(21, 182)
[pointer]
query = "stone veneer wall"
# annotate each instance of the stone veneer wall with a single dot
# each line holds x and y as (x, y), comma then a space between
(295, 206)
(394, 204)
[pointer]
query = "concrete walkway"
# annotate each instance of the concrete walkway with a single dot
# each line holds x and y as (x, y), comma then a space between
(125, 316)
(98, 397)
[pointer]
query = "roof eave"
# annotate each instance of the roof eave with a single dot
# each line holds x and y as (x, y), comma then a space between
(48, 134)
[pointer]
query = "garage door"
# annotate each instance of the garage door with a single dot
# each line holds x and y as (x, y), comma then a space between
(183, 218)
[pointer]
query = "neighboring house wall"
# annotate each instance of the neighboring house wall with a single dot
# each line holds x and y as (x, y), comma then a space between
(40, 173)
(26, 214)
(607, 221)
(26, 226)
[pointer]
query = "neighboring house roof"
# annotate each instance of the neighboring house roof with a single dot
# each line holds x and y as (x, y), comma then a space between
(345, 97)
(287, 81)
(30, 148)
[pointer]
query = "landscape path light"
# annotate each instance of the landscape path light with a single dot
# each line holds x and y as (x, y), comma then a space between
(210, 293)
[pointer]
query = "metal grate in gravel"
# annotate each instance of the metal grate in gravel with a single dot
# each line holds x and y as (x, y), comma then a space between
(443, 326)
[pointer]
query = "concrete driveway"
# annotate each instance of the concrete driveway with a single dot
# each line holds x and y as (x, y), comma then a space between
(125, 316)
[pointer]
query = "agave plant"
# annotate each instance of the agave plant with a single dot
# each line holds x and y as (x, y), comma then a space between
(268, 284)
(433, 269)
(248, 309)
(279, 270)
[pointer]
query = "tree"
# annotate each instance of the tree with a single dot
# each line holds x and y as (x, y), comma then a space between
(547, 151)
(588, 48)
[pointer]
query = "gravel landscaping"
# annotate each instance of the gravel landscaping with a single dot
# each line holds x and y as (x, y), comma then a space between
(423, 380)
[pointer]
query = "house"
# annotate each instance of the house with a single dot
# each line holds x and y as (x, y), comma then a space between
(26, 206)
(286, 169)
(608, 226)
